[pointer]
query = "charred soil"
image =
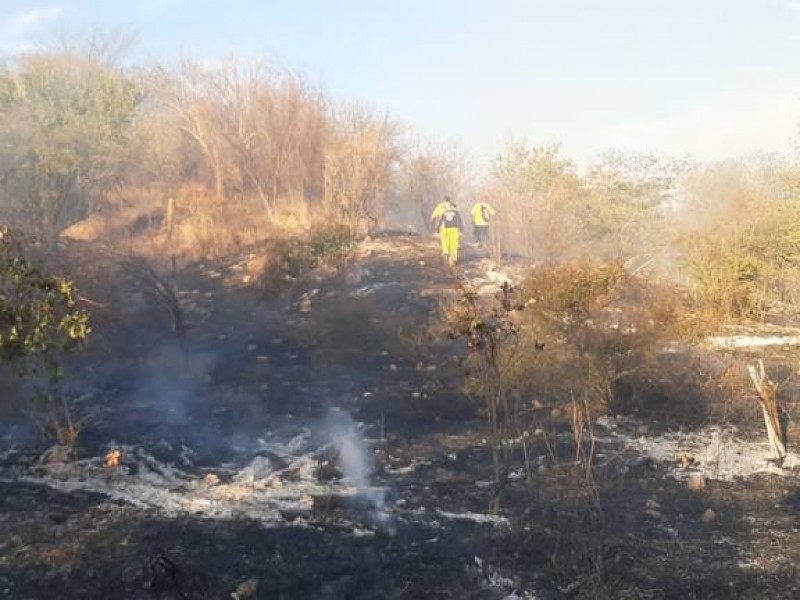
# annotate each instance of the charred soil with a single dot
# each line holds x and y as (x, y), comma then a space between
(236, 479)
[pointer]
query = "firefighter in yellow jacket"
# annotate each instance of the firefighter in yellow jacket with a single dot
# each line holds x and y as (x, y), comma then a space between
(438, 211)
(482, 212)
(436, 218)
(450, 232)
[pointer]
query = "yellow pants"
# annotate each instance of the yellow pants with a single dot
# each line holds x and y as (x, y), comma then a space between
(450, 240)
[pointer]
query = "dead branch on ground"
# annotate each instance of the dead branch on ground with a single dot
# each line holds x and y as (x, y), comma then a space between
(767, 397)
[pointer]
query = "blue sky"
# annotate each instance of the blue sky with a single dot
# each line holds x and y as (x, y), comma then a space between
(713, 78)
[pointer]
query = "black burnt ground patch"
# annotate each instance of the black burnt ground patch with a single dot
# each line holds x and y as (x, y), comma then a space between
(264, 368)
(105, 550)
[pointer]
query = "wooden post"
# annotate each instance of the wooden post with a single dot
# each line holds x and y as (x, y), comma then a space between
(169, 220)
(769, 405)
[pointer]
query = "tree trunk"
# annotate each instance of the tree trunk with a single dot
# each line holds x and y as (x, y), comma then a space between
(769, 406)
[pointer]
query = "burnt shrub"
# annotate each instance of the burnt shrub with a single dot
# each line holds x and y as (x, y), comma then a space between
(617, 342)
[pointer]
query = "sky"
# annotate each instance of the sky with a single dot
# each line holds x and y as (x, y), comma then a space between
(709, 78)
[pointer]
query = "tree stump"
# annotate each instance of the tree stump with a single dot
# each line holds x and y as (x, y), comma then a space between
(767, 398)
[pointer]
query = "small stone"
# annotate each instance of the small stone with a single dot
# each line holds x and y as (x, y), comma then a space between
(654, 514)
(696, 482)
(643, 429)
(685, 459)
(245, 590)
(556, 413)
(652, 504)
(393, 367)
(211, 479)
(709, 516)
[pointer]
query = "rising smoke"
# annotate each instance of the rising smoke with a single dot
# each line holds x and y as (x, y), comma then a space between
(355, 460)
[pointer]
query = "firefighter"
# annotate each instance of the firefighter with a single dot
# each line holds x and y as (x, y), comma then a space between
(438, 210)
(436, 217)
(450, 232)
(482, 212)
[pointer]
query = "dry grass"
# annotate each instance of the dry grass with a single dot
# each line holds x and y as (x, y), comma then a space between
(191, 225)
(593, 335)
(608, 337)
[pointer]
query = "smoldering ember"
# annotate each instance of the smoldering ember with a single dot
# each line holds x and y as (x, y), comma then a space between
(258, 341)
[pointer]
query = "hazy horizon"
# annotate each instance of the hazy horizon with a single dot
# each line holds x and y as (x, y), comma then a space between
(713, 80)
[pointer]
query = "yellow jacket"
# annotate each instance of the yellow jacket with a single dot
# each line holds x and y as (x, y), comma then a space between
(438, 211)
(479, 213)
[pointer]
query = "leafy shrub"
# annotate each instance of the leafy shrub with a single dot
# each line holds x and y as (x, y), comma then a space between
(39, 319)
(332, 245)
(38, 313)
(328, 246)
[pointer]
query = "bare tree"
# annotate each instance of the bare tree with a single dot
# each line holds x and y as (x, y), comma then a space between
(536, 190)
(359, 159)
(275, 125)
(108, 45)
(427, 173)
(260, 128)
(187, 92)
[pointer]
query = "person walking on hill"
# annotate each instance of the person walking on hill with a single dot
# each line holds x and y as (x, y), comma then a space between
(450, 231)
(482, 213)
(436, 218)
(438, 211)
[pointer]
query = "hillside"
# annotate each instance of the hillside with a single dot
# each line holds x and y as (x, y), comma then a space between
(315, 440)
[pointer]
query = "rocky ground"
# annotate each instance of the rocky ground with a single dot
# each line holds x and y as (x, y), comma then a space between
(314, 443)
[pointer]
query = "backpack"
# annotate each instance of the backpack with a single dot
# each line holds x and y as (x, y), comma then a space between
(449, 218)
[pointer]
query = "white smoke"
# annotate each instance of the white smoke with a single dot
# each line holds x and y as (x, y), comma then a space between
(355, 460)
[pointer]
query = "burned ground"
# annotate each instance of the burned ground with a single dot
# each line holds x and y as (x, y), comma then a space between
(263, 371)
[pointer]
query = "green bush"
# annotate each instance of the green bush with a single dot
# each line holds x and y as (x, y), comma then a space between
(38, 312)
(39, 319)
(332, 245)
(327, 246)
